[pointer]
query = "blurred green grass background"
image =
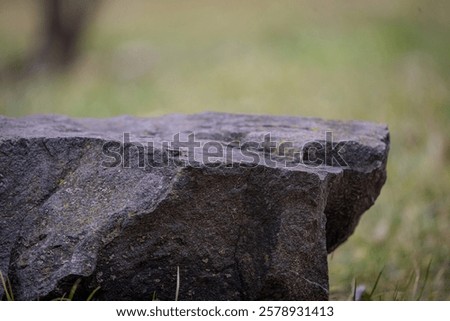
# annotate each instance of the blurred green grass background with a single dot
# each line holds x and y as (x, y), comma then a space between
(382, 61)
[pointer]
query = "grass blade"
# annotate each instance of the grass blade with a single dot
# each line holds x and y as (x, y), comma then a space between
(395, 295)
(7, 288)
(11, 294)
(354, 290)
(89, 298)
(376, 284)
(177, 291)
(427, 273)
(73, 289)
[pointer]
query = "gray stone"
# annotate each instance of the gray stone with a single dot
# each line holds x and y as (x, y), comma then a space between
(79, 201)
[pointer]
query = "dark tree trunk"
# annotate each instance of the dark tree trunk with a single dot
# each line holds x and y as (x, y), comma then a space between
(63, 26)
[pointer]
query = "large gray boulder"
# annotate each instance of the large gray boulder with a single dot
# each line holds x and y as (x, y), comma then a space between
(248, 209)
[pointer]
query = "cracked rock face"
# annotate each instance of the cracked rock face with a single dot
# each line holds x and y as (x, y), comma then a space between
(246, 206)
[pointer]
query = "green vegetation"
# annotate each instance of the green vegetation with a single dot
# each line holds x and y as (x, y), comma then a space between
(73, 290)
(7, 288)
(382, 61)
(9, 296)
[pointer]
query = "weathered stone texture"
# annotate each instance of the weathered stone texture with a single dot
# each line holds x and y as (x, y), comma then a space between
(237, 229)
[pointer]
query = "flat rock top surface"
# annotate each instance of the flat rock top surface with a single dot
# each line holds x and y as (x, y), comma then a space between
(214, 126)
